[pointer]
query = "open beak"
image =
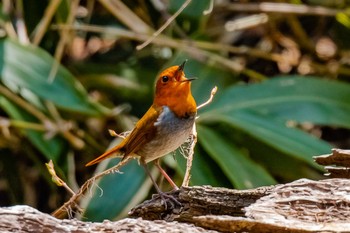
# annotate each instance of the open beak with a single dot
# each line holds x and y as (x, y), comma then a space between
(190, 79)
(182, 66)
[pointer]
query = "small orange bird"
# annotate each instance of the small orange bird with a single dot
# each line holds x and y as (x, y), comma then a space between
(166, 125)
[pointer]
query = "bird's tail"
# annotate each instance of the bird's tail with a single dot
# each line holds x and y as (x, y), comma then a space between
(112, 152)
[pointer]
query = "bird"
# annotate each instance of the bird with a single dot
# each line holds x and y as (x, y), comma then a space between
(166, 125)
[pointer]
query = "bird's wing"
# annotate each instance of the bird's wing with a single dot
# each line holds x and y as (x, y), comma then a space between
(143, 132)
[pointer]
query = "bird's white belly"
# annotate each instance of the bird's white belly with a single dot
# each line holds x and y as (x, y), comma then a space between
(171, 133)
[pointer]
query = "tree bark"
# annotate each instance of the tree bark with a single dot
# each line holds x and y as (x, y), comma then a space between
(300, 206)
(27, 219)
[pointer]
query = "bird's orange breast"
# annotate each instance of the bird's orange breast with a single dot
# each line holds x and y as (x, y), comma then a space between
(170, 132)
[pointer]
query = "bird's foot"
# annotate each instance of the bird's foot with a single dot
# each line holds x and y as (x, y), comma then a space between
(168, 199)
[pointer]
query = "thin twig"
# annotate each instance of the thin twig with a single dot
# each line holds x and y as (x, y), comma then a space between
(193, 142)
(57, 180)
(42, 26)
(123, 13)
(275, 7)
(179, 44)
(64, 127)
(212, 93)
(51, 127)
(299, 32)
(72, 202)
(210, 8)
(196, 52)
(90, 6)
(165, 25)
(71, 171)
(64, 39)
(189, 157)
(23, 104)
(22, 124)
(161, 7)
(6, 11)
(20, 24)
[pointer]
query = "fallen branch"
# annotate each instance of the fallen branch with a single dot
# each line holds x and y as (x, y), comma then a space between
(301, 206)
(28, 219)
(298, 207)
(338, 163)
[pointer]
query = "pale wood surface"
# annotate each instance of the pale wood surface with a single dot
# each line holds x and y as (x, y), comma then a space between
(301, 206)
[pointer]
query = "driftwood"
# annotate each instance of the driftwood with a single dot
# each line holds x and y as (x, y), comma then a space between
(28, 219)
(337, 164)
(300, 206)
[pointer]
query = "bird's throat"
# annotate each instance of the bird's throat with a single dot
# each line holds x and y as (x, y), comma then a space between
(179, 100)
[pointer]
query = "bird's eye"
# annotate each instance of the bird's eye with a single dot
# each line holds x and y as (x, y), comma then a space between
(165, 79)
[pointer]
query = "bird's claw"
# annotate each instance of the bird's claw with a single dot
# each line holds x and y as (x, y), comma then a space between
(167, 198)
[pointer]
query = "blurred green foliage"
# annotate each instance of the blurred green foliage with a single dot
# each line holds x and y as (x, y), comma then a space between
(70, 70)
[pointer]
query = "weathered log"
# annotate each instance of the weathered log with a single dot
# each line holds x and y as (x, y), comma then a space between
(300, 206)
(27, 219)
(198, 201)
(339, 161)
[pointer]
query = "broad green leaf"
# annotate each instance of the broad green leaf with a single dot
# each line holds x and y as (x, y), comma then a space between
(28, 67)
(296, 143)
(241, 171)
(282, 166)
(290, 98)
(114, 192)
(51, 148)
(204, 170)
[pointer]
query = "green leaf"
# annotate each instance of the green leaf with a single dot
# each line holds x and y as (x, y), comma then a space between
(289, 98)
(242, 171)
(296, 143)
(51, 148)
(28, 67)
(114, 192)
(261, 111)
(204, 170)
(194, 10)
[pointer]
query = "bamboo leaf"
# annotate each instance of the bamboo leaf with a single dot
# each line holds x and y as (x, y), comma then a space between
(114, 192)
(293, 142)
(51, 148)
(241, 171)
(203, 171)
(289, 98)
(28, 67)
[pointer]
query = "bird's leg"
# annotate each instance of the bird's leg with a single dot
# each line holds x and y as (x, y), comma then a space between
(162, 195)
(171, 182)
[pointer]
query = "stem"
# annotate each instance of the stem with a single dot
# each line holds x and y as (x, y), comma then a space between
(165, 25)
(64, 39)
(27, 125)
(43, 25)
(72, 203)
(196, 52)
(23, 104)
